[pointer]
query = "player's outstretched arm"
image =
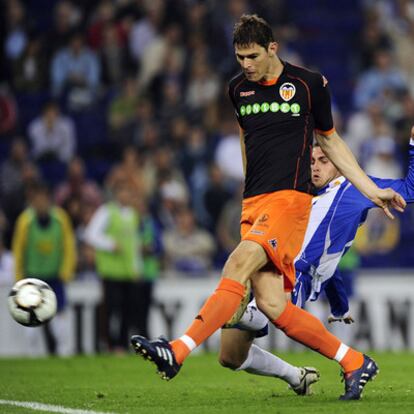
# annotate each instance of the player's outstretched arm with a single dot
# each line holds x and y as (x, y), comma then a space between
(341, 156)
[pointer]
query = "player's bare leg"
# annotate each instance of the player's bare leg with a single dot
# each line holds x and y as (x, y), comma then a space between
(238, 353)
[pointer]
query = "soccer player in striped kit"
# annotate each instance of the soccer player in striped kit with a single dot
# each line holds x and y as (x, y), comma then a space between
(338, 209)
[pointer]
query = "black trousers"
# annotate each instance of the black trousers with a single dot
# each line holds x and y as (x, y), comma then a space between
(119, 303)
(126, 308)
(143, 304)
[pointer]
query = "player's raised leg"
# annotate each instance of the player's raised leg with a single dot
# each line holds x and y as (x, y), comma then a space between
(246, 260)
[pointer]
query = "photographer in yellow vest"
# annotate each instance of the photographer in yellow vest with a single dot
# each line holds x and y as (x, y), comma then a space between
(113, 233)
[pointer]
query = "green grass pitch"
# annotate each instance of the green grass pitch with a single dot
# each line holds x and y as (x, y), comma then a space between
(129, 385)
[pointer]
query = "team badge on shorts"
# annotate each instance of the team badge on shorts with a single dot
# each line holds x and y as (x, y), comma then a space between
(273, 243)
(287, 91)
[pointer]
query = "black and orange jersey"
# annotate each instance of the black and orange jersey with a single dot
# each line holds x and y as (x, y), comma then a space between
(278, 119)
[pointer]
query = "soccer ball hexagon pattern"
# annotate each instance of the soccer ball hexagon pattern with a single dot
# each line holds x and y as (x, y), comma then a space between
(32, 302)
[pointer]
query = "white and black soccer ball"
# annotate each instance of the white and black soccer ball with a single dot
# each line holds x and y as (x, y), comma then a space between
(32, 302)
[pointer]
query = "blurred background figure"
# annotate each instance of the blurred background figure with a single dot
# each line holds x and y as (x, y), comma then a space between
(114, 234)
(52, 135)
(44, 248)
(75, 73)
(188, 249)
(78, 193)
(7, 273)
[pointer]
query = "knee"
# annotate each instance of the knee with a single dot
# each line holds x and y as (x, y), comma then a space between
(271, 307)
(230, 361)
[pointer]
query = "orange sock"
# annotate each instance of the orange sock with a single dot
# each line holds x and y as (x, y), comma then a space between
(349, 359)
(217, 310)
(308, 330)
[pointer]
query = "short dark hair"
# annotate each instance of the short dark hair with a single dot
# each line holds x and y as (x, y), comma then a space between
(252, 29)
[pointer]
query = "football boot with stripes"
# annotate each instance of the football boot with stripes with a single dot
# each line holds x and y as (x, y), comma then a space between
(159, 352)
(356, 380)
(308, 376)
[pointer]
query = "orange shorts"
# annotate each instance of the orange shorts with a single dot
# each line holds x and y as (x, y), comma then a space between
(277, 221)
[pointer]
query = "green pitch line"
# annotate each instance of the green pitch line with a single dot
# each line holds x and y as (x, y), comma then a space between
(129, 385)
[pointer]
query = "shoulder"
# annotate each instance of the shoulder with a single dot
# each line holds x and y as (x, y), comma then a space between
(310, 77)
(60, 214)
(235, 83)
(26, 217)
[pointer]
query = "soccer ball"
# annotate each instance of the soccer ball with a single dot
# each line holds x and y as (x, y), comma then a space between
(32, 302)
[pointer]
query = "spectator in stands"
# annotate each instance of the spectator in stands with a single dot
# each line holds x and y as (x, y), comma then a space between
(163, 49)
(188, 249)
(227, 149)
(194, 160)
(17, 175)
(52, 135)
(130, 172)
(203, 86)
(103, 15)
(361, 126)
(16, 36)
(122, 113)
(383, 163)
(66, 18)
(44, 248)
(146, 29)
(114, 57)
(8, 111)
(30, 70)
(179, 129)
(405, 120)
(172, 104)
(172, 195)
(76, 71)
(372, 39)
(144, 116)
(113, 233)
(376, 83)
(216, 196)
(77, 192)
(226, 230)
(11, 170)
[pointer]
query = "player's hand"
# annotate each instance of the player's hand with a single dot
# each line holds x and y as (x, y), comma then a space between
(388, 199)
(348, 319)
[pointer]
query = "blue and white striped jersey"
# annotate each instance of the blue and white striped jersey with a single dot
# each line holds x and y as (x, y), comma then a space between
(337, 212)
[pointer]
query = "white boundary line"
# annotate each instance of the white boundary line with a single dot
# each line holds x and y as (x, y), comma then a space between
(49, 408)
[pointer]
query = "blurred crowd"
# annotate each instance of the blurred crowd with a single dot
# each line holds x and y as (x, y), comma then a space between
(120, 107)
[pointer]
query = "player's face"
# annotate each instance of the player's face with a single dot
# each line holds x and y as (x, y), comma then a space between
(323, 171)
(255, 60)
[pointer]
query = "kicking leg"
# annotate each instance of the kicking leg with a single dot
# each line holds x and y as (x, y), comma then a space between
(247, 259)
